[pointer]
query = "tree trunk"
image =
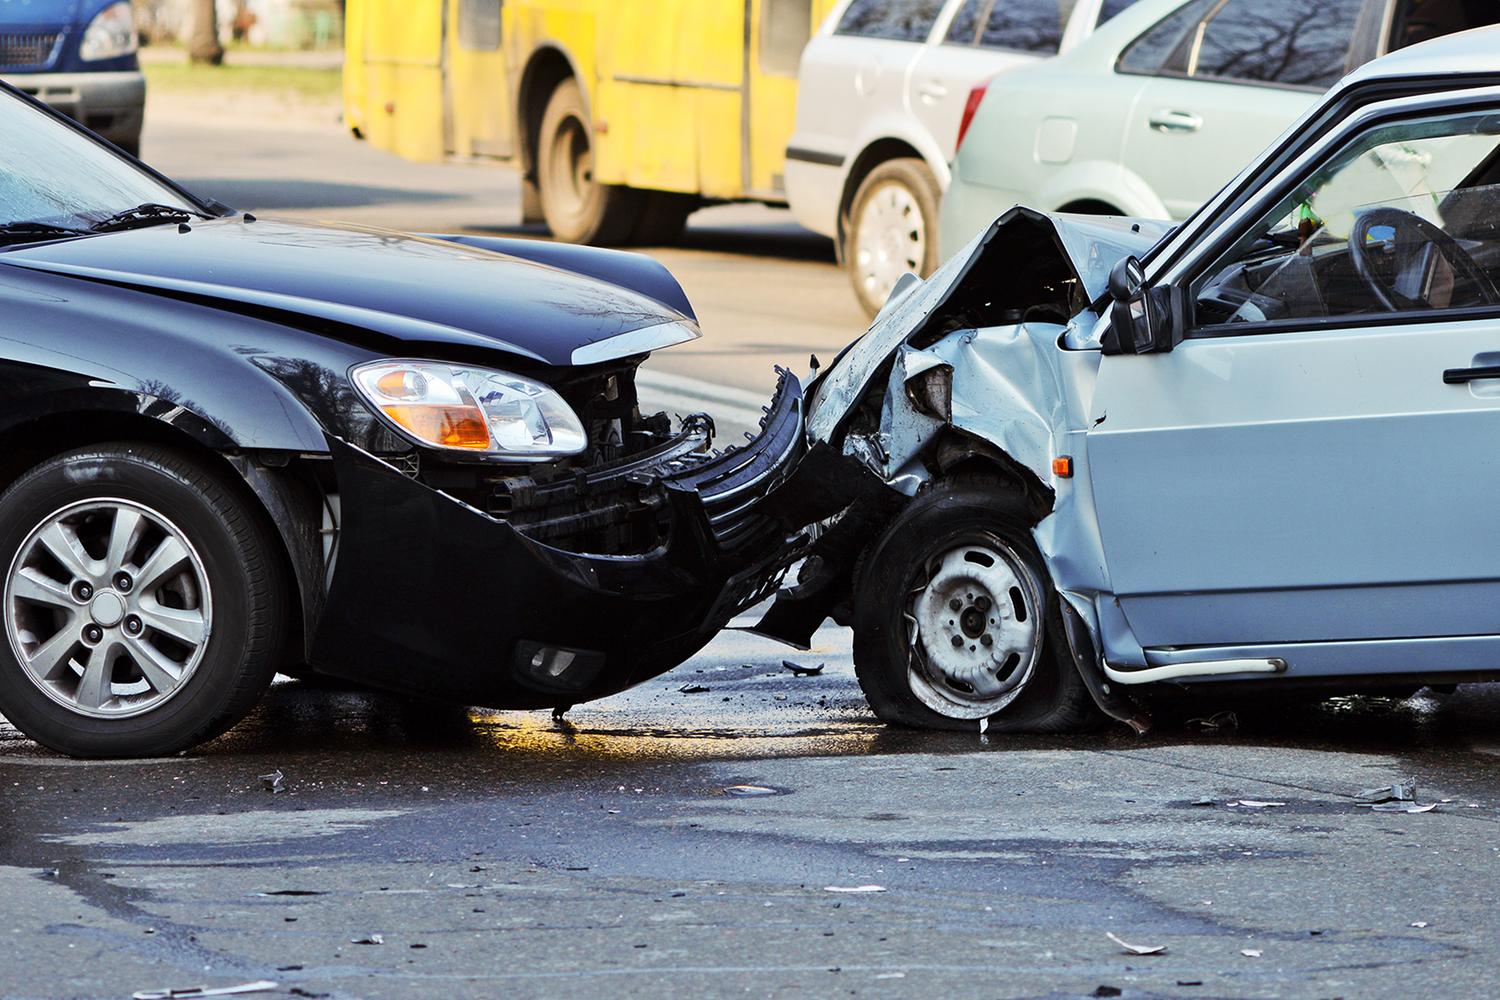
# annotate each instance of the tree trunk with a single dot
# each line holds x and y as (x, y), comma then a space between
(203, 34)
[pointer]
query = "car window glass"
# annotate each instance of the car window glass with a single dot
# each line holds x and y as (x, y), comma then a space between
(1418, 20)
(1110, 8)
(52, 175)
(965, 26)
(1403, 219)
(1297, 43)
(902, 20)
(1164, 48)
(785, 27)
(479, 24)
(1026, 25)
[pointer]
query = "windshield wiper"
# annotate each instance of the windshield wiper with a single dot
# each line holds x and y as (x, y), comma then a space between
(23, 232)
(149, 214)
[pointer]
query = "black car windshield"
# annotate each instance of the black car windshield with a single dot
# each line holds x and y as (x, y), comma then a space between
(51, 176)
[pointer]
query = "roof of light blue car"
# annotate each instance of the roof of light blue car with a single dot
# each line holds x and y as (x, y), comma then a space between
(1476, 51)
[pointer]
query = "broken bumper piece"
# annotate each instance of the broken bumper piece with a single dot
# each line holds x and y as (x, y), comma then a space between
(436, 597)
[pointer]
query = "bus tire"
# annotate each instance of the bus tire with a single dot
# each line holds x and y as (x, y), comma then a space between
(578, 208)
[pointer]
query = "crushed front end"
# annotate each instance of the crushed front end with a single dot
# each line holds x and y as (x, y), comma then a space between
(530, 587)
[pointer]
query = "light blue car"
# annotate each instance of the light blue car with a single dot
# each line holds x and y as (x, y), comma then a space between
(1093, 455)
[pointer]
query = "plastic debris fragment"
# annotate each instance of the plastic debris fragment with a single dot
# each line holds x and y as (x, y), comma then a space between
(1402, 807)
(748, 791)
(799, 670)
(1137, 949)
(261, 986)
(1405, 791)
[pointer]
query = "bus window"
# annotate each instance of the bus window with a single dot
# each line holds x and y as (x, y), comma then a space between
(479, 24)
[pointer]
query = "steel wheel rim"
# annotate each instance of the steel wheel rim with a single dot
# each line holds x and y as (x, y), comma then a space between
(571, 167)
(998, 596)
(889, 240)
(108, 608)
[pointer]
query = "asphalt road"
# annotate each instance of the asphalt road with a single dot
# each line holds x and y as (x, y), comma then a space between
(503, 854)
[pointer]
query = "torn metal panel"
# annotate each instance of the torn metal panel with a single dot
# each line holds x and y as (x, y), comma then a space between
(989, 347)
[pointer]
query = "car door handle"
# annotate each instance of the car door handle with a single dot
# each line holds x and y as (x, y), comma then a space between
(932, 92)
(1458, 376)
(1175, 121)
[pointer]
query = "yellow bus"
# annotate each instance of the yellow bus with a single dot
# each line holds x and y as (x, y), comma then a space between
(623, 115)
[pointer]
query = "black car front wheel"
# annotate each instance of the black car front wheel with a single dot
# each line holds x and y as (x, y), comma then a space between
(955, 620)
(143, 604)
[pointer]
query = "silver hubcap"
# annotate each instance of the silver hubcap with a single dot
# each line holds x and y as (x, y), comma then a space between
(890, 239)
(975, 630)
(107, 608)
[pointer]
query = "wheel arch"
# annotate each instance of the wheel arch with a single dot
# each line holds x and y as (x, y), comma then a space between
(549, 65)
(289, 509)
(872, 155)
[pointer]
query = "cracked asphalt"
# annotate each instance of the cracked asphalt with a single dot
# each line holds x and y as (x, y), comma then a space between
(507, 855)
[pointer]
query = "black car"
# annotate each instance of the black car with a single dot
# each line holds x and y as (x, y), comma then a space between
(231, 446)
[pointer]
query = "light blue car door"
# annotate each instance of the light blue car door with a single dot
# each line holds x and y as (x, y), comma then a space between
(1319, 461)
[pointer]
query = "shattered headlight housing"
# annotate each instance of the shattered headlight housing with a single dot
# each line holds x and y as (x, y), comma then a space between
(110, 34)
(478, 410)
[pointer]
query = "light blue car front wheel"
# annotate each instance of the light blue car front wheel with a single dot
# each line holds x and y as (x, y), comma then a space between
(955, 621)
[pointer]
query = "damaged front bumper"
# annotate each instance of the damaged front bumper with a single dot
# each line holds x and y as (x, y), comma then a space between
(499, 607)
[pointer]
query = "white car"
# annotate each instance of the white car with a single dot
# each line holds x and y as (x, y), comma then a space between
(880, 108)
(1162, 106)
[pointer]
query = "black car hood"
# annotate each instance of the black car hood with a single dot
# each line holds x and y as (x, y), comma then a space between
(408, 289)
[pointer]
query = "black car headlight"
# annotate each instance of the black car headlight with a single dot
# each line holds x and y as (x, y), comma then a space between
(477, 410)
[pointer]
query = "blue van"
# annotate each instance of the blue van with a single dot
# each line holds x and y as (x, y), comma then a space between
(80, 57)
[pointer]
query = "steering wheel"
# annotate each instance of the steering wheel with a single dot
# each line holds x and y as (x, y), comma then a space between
(1417, 245)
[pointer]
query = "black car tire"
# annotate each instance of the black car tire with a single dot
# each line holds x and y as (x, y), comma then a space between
(579, 209)
(237, 552)
(895, 568)
(910, 179)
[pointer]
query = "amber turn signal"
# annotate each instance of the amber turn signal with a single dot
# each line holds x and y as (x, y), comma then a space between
(1062, 467)
(449, 426)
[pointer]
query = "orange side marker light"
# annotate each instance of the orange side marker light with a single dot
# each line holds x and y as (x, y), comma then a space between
(1062, 467)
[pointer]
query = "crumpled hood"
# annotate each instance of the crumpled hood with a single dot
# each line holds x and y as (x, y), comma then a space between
(1082, 248)
(409, 290)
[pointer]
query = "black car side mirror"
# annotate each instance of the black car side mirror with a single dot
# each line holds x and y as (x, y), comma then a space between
(1142, 320)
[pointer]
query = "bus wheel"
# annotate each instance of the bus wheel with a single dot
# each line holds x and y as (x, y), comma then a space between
(578, 209)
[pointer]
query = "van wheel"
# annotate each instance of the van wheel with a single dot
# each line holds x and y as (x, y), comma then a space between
(579, 209)
(955, 621)
(892, 229)
(143, 607)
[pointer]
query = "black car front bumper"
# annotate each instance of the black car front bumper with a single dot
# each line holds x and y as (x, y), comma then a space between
(434, 596)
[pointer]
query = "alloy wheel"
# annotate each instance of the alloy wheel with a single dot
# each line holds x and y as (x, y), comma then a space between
(108, 608)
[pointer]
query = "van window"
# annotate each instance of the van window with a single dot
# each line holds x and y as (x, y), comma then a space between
(785, 27)
(1026, 25)
(901, 20)
(479, 24)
